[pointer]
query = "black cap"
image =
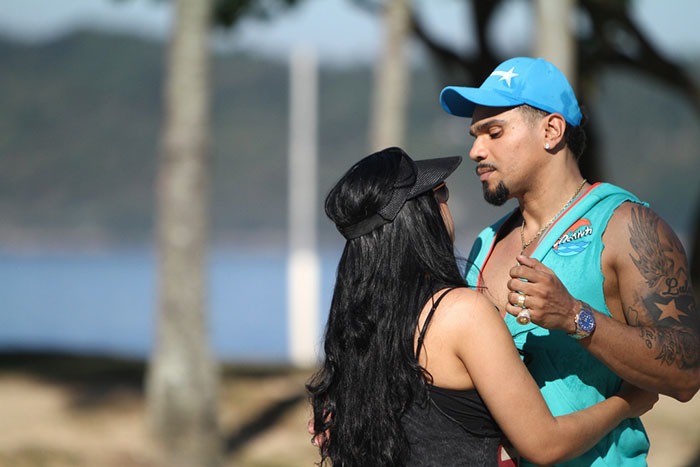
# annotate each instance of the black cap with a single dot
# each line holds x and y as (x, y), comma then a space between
(413, 178)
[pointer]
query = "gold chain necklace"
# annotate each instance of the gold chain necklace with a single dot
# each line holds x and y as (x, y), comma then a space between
(537, 235)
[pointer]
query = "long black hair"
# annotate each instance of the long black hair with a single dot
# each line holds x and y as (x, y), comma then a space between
(370, 375)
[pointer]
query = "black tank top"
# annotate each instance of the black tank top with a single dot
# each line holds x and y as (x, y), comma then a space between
(452, 427)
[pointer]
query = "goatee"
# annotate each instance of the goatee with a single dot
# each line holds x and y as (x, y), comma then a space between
(498, 196)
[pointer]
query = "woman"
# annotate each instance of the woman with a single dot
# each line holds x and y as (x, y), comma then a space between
(419, 369)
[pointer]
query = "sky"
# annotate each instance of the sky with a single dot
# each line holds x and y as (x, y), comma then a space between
(338, 31)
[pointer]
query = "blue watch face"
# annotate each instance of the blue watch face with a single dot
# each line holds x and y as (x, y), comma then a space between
(586, 321)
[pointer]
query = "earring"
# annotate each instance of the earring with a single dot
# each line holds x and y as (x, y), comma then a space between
(546, 146)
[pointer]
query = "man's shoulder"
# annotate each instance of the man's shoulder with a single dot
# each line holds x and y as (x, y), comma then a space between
(631, 212)
(618, 229)
(613, 194)
(621, 206)
(634, 227)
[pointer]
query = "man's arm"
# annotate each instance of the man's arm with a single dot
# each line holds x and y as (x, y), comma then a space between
(658, 347)
(656, 298)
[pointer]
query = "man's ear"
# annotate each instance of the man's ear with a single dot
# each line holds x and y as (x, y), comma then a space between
(554, 128)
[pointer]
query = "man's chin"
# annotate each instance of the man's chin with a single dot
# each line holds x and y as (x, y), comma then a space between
(497, 196)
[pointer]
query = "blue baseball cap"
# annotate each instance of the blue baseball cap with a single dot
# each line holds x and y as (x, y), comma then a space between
(517, 81)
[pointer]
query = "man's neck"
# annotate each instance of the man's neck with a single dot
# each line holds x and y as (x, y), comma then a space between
(547, 198)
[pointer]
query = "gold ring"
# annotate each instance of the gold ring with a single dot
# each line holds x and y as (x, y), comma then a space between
(524, 317)
(521, 300)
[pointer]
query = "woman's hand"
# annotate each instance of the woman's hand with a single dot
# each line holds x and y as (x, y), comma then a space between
(317, 439)
(639, 400)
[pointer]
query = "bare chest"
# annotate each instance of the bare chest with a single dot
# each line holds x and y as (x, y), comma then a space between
(496, 271)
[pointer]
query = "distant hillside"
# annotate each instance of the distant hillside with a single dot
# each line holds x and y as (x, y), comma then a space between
(79, 123)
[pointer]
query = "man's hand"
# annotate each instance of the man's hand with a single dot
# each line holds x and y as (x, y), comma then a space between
(551, 305)
(652, 338)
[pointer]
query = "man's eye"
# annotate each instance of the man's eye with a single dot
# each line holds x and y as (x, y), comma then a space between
(495, 133)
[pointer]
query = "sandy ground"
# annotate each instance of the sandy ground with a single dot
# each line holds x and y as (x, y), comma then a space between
(88, 418)
(99, 421)
(674, 431)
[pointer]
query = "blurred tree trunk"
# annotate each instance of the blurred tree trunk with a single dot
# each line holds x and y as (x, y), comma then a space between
(556, 42)
(392, 73)
(182, 378)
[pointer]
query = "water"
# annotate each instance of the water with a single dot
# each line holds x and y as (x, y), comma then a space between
(105, 302)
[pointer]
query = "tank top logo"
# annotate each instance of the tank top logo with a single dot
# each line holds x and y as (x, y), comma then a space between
(575, 239)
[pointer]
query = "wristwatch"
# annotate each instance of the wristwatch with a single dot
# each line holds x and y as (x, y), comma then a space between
(585, 322)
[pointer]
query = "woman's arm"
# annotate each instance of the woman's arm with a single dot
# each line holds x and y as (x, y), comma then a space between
(485, 347)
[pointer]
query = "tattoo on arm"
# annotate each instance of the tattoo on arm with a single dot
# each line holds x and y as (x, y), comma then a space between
(677, 346)
(652, 261)
(666, 307)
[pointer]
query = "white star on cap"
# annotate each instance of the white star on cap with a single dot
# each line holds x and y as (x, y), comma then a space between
(505, 75)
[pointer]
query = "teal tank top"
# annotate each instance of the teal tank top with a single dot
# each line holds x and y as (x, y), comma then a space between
(569, 377)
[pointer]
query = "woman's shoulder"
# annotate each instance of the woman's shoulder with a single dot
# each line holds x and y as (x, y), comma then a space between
(462, 304)
(466, 297)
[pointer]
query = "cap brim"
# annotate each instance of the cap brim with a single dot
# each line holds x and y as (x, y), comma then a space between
(461, 101)
(432, 172)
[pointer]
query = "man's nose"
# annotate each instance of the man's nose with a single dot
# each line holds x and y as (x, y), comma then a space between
(477, 152)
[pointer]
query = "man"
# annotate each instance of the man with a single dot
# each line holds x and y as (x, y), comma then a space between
(598, 282)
